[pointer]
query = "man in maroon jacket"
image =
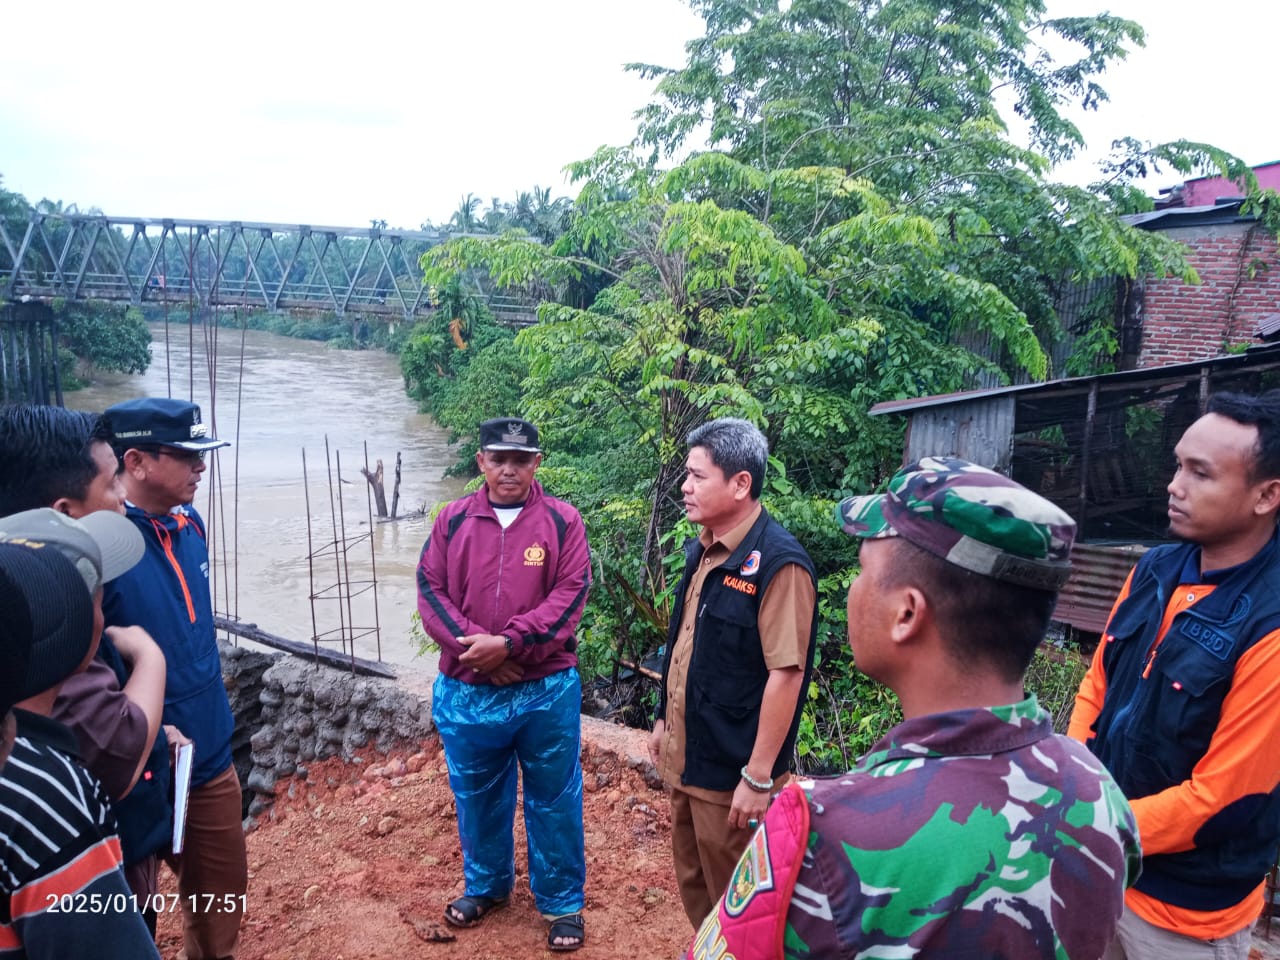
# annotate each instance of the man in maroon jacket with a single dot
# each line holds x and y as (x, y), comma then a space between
(501, 583)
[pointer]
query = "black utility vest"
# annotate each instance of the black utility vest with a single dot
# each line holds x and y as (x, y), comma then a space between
(1153, 730)
(727, 672)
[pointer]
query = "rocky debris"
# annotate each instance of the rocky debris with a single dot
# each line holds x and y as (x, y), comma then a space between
(432, 931)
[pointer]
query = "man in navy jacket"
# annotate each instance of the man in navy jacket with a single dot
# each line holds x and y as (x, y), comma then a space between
(162, 444)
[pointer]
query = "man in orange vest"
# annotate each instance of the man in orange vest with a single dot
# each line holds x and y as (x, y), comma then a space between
(1182, 700)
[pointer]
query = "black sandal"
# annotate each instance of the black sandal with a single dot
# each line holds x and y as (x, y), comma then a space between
(471, 910)
(571, 928)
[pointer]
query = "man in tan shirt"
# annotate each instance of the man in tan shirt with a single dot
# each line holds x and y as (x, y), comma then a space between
(739, 655)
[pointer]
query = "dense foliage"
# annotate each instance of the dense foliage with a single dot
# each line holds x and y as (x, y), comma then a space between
(863, 227)
(103, 336)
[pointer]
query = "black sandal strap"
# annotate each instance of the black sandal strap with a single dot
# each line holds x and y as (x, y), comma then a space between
(571, 927)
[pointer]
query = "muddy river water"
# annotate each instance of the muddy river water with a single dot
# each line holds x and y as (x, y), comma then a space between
(286, 397)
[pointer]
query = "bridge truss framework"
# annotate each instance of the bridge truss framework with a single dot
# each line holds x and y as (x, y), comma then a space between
(266, 266)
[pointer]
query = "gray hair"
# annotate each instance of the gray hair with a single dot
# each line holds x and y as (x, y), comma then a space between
(734, 445)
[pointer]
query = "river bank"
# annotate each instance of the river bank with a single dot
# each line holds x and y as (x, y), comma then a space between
(271, 533)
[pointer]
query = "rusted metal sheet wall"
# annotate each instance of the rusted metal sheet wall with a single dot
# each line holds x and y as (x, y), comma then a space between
(1078, 306)
(980, 431)
(1074, 304)
(1098, 572)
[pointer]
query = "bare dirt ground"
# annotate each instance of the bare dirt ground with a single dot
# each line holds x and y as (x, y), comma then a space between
(359, 861)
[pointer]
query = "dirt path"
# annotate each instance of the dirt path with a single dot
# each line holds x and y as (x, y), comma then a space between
(360, 860)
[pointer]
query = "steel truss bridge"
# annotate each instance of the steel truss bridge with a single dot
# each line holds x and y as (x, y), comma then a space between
(215, 264)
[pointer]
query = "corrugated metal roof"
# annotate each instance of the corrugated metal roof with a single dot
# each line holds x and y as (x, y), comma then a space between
(1167, 218)
(1262, 355)
(1098, 572)
(911, 403)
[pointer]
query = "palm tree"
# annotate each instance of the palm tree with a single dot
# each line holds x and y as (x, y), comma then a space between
(522, 213)
(496, 218)
(549, 215)
(464, 218)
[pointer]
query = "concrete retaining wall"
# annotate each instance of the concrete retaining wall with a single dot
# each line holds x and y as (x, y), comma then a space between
(289, 712)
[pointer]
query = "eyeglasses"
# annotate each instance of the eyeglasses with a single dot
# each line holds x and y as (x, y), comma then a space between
(187, 456)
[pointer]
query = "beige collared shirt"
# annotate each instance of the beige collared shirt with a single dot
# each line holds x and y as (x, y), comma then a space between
(784, 619)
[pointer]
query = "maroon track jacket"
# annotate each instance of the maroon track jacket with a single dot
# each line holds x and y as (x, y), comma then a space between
(528, 582)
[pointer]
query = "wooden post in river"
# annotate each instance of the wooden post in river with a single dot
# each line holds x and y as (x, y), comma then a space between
(379, 494)
(395, 492)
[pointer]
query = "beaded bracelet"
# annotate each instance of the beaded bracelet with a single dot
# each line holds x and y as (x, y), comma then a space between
(759, 786)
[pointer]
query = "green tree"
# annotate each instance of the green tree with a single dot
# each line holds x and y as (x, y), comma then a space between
(907, 94)
(881, 85)
(13, 210)
(460, 361)
(862, 216)
(105, 337)
(708, 312)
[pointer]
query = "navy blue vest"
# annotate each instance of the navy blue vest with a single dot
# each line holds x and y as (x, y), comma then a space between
(727, 672)
(1152, 731)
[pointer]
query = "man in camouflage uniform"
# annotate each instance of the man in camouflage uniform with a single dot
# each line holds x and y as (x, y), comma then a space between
(971, 829)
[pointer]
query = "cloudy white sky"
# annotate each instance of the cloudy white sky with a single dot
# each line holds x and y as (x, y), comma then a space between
(391, 109)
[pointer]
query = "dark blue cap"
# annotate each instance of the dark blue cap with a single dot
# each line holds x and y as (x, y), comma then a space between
(160, 421)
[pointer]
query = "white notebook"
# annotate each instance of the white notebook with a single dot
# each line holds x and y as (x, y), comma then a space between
(181, 789)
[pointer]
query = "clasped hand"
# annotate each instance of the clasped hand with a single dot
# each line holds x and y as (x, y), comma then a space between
(486, 654)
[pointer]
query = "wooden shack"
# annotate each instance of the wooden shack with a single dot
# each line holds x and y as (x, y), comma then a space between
(1100, 447)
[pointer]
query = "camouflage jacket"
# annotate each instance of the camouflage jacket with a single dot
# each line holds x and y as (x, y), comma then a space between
(974, 833)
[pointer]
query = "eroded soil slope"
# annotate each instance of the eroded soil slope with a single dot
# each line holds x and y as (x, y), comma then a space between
(357, 861)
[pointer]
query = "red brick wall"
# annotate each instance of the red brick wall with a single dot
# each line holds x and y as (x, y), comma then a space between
(1182, 322)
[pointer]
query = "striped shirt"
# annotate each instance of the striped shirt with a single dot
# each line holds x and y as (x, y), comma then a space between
(64, 894)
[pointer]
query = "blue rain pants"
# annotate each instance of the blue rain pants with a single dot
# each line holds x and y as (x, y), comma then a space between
(485, 731)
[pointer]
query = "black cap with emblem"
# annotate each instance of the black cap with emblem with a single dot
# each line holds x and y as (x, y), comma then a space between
(509, 433)
(160, 421)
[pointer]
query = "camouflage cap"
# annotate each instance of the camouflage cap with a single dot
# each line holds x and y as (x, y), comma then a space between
(970, 516)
